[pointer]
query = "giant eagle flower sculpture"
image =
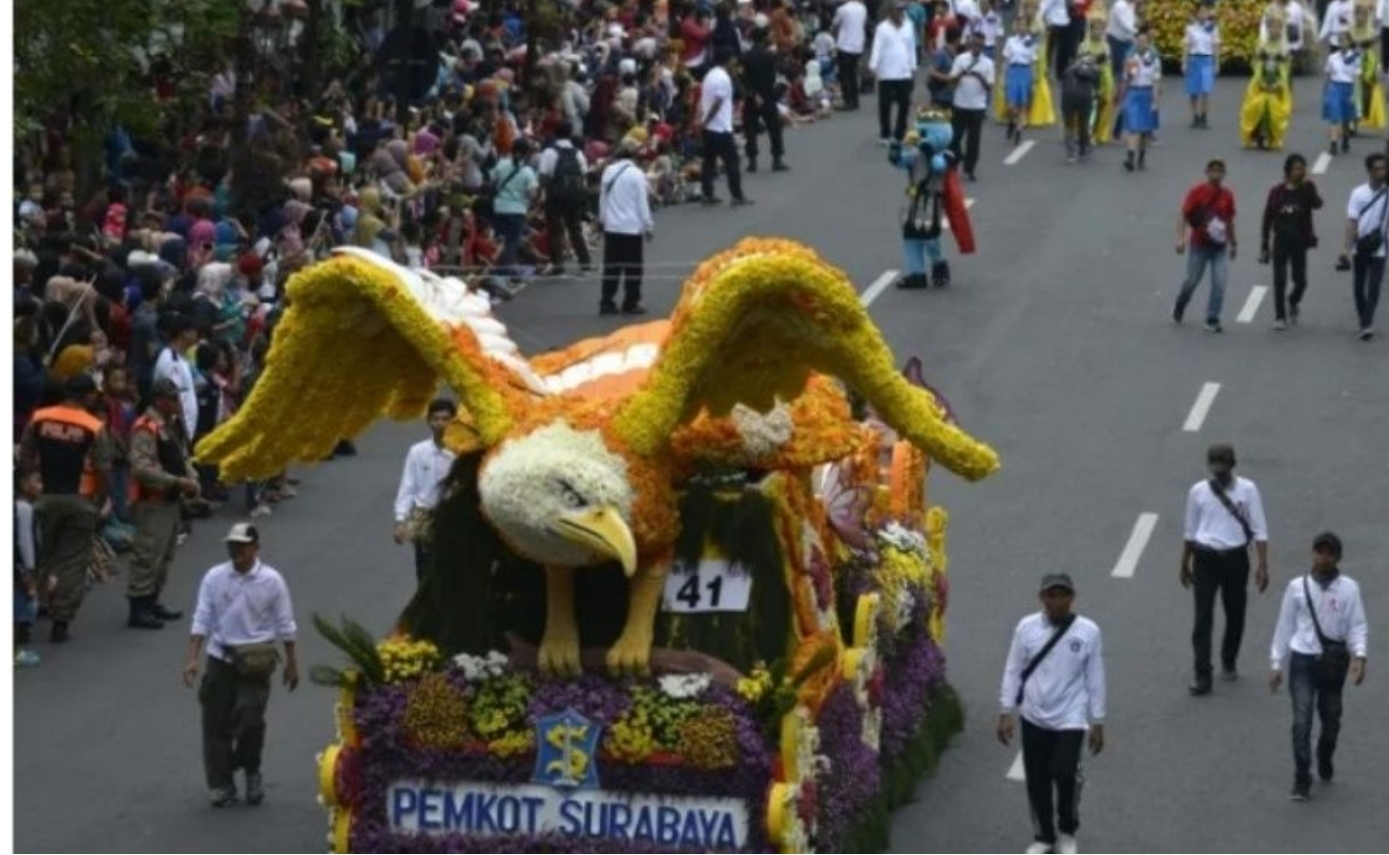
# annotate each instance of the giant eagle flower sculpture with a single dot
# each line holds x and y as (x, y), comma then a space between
(586, 448)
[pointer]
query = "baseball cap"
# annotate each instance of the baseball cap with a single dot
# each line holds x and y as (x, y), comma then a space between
(1058, 580)
(242, 533)
(164, 387)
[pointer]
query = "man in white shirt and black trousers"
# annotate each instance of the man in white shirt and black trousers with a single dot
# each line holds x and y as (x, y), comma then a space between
(1054, 680)
(893, 62)
(243, 609)
(624, 212)
(850, 32)
(973, 77)
(1323, 636)
(1224, 515)
(427, 464)
(716, 142)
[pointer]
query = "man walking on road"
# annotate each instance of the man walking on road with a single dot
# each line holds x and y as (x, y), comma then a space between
(716, 118)
(163, 477)
(1054, 680)
(1365, 239)
(893, 63)
(1224, 515)
(427, 464)
(849, 26)
(1206, 233)
(1322, 625)
(562, 172)
(1286, 235)
(760, 111)
(973, 77)
(624, 212)
(243, 609)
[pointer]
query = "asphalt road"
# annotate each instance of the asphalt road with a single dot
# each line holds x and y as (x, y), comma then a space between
(1055, 344)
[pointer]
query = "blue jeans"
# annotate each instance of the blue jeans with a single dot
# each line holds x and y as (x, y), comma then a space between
(1307, 684)
(1197, 258)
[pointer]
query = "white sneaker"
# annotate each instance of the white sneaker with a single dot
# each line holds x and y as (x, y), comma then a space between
(1066, 844)
(1038, 848)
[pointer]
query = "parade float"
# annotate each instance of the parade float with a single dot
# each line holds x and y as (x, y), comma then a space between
(687, 591)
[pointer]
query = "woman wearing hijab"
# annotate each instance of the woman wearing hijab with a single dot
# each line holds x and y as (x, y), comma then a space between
(215, 312)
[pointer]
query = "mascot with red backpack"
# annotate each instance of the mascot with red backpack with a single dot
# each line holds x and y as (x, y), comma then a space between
(936, 200)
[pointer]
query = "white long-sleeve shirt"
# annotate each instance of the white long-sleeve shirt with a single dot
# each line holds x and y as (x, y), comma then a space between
(1067, 689)
(1210, 524)
(1340, 610)
(624, 207)
(1055, 13)
(850, 21)
(1340, 14)
(172, 365)
(242, 608)
(426, 466)
(894, 51)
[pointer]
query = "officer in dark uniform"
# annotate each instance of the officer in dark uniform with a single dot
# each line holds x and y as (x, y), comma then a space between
(163, 477)
(760, 109)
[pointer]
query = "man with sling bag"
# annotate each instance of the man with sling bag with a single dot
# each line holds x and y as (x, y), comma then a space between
(1323, 635)
(1224, 514)
(1054, 680)
(1368, 216)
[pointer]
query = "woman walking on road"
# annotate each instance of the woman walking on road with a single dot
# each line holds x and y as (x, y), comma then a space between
(1286, 234)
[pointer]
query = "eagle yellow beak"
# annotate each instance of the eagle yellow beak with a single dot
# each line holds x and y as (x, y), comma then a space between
(604, 531)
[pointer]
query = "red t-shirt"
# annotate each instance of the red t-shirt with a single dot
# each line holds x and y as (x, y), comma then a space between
(1206, 202)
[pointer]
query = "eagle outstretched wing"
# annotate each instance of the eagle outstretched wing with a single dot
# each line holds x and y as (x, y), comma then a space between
(753, 325)
(362, 338)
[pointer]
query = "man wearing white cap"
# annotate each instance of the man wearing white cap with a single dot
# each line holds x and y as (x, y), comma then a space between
(243, 609)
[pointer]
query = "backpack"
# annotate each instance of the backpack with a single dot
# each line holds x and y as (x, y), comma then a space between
(567, 182)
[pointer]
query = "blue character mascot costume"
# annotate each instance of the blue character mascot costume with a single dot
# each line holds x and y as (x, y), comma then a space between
(935, 198)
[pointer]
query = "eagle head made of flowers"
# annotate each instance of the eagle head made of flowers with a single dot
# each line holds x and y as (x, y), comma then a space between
(585, 449)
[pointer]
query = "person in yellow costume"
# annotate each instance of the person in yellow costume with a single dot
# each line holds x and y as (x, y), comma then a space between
(1042, 113)
(1369, 92)
(1268, 102)
(1096, 45)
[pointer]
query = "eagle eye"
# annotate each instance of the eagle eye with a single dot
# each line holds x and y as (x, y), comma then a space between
(572, 498)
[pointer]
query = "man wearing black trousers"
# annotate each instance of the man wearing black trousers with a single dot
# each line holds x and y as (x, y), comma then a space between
(1054, 680)
(893, 63)
(760, 104)
(973, 78)
(1224, 515)
(716, 118)
(624, 211)
(850, 28)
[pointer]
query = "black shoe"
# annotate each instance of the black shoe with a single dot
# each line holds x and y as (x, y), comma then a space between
(710, 200)
(752, 166)
(607, 309)
(971, 176)
(1128, 163)
(1326, 770)
(780, 166)
(141, 616)
(1199, 688)
(255, 791)
(741, 201)
(940, 274)
(165, 613)
(1229, 674)
(224, 797)
(634, 309)
(1177, 312)
(1301, 792)
(59, 634)
(1292, 313)
(1142, 160)
(912, 281)
(1214, 327)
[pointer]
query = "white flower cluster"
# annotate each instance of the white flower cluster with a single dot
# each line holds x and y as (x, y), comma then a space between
(903, 539)
(477, 668)
(683, 687)
(872, 732)
(906, 601)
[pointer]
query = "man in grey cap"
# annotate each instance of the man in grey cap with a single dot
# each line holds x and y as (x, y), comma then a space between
(163, 478)
(1054, 680)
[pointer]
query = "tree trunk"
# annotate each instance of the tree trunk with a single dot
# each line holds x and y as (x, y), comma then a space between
(310, 52)
(244, 61)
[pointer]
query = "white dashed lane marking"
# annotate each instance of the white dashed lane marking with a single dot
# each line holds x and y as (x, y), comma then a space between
(1251, 305)
(1201, 408)
(1127, 564)
(1019, 152)
(1322, 163)
(879, 285)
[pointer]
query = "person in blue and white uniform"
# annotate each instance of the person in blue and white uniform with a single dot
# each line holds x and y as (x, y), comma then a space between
(1142, 86)
(1200, 52)
(1338, 100)
(990, 25)
(1019, 58)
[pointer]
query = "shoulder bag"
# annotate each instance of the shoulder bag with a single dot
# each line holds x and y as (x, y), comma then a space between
(1234, 511)
(1334, 660)
(1042, 654)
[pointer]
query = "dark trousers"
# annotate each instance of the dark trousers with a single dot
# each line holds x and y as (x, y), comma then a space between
(1051, 762)
(1228, 574)
(1308, 686)
(756, 120)
(1285, 259)
(1061, 48)
(1075, 117)
(510, 228)
(848, 77)
(893, 92)
(423, 555)
(1118, 53)
(566, 220)
(622, 263)
(1369, 276)
(67, 529)
(720, 146)
(233, 722)
(969, 125)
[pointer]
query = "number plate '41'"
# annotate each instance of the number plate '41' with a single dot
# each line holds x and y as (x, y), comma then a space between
(714, 585)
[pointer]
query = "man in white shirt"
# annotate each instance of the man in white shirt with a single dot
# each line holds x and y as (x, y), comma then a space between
(243, 609)
(1120, 33)
(893, 63)
(1323, 636)
(1056, 15)
(1367, 215)
(717, 143)
(973, 78)
(850, 33)
(1054, 680)
(624, 211)
(180, 335)
(427, 464)
(1336, 21)
(1224, 515)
